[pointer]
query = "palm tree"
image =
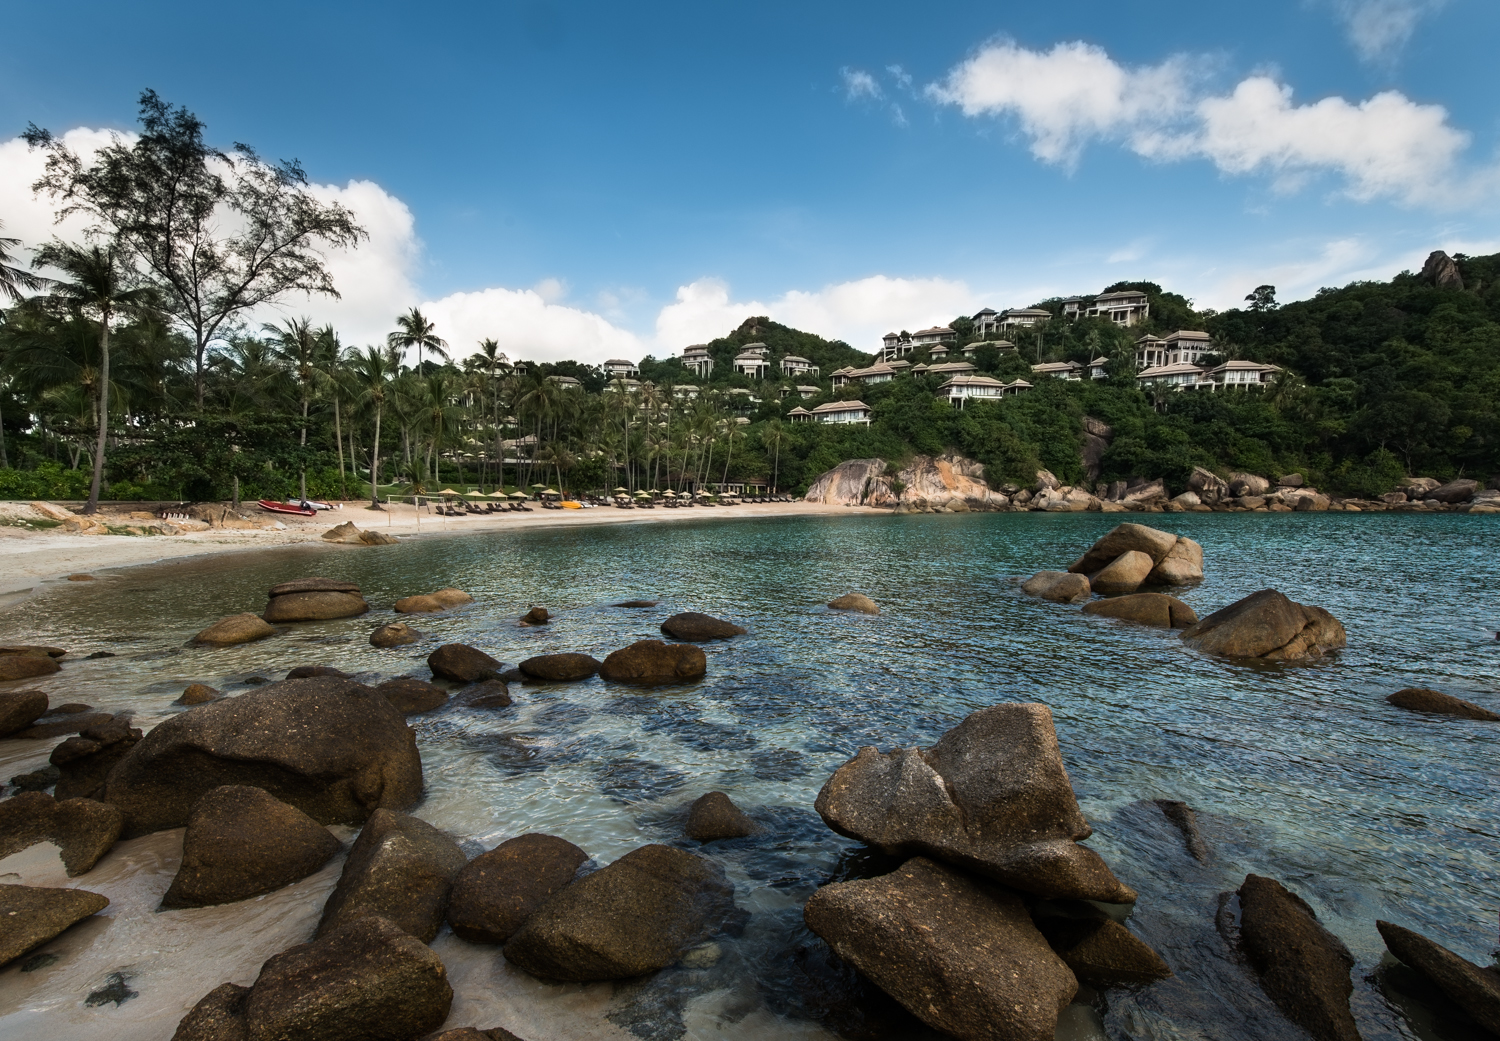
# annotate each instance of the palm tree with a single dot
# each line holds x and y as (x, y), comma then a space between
(95, 287)
(416, 331)
(15, 279)
(296, 344)
(372, 375)
(773, 436)
(329, 353)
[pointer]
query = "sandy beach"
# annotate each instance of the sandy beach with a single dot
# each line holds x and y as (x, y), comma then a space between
(30, 557)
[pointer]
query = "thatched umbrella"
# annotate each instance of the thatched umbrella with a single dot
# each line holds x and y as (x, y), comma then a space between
(516, 495)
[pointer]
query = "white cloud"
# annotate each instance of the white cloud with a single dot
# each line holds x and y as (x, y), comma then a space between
(528, 326)
(28, 217)
(859, 84)
(1379, 29)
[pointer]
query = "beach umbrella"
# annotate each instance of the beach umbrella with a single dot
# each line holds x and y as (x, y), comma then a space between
(517, 495)
(618, 490)
(534, 486)
(670, 494)
(498, 495)
(550, 491)
(447, 491)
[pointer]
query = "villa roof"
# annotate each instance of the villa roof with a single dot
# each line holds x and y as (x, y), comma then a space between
(1037, 311)
(898, 364)
(984, 310)
(1056, 366)
(934, 329)
(697, 348)
(1098, 361)
(972, 381)
(919, 367)
(1018, 383)
(739, 390)
(1180, 369)
(1148, 338)
(565, 380)
(1120, 294)
(750, 356)
(620, 361)
(1187, 334)
(842, 406)
(846, 369)
(810, 388)
(878, 369)
(952, 366)
(799, 411)
(1245, 366)
(795, 357)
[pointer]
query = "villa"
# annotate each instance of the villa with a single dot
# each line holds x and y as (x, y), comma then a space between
(619, 368)
(960, 389)
(1184, 347)
(1231, 375)
(937, 334)
(895, 345)
(951, 368)
(1063, 370)
(800, 415)
(1126, 307)
(698, 360)
(843, 412)
(566, 382)
(624, 386)
(986, 321)
(939, 352)
(1024, 317)
(1236, 374)
(1097, 367)
(793, 365)
(809, 392)
(840, 377)
(880, 372)
(686, 390)
(752, 361)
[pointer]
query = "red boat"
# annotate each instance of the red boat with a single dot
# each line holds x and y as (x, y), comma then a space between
(287, 507)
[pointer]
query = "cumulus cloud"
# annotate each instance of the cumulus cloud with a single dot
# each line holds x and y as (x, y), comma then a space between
(859, 84)
(1385, 147)
(1379, 29)
(29, 217)
(528, 326)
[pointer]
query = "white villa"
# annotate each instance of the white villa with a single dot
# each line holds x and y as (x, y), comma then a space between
(840, 377)
(807, 393)
(986, 321)
(698, 359)
(1024, 317)
(951, 368)
(1063, 370)
(880, 372)
(795, 365)
(686, 390)
(624, 386)
(1234, 374)
(842, 412)
(800, 415)
(1231, 375)
(566, 382)
(1184, 347)
(1096, 368)
(752, 361)
(937, 334)
(960, 389)
(619, 368)
(895, 345)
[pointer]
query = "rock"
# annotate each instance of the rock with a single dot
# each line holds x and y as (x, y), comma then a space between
(486, 694)
(1045, 480)
(497, 891)
(242, 841)
(196, 694)
(82, 829)
(1455, 491)
(1182, 815)
(312, 585)
(636, 603)
(635, 916)
(80, 578)
(400, 868)
(376, 538)
(307, 672)
(1420, 699)
(83, 762)
(34, 915)
(848, 483)
(1209, 485)
(463, 664)
(1252, 502)
(36, 780)
(1058, 586)
(314, 607)
(1188, 498)
(536, 616)
(1102, 952)
(19, 709)
(1182, 564)
(333, 748)
(1476, 990)
(368, 980)
(59, 724)
(1441, 271)
(409, 696)
(699, 628)
(450, 597)
(1124, 538)
(1158, 609)
(1140, 495)
(1248, 484)
(51, 512)
(855, 602)
(992, 796)
(348, 535)
(417, 605)
(1393, 498)
(237, 628)
(1291, 481)
(1303, 967)
(959, 953)
(1124, 574)
(715, 816)
(25, 666)
(560, 668)
(652, 661)
(1314, 503)
(1267, 625)
(396, 634)
(1417, 488)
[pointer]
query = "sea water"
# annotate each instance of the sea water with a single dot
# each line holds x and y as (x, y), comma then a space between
(1301, 772)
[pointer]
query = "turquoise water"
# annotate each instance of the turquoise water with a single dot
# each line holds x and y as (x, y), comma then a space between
(1301, 772)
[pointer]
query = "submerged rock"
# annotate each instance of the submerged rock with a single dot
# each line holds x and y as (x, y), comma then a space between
(536, 616)
(420, 604)
(400, 868)
(1121, 539)
(237, 628)
(312, 585)
(1420, 699)
(33, 915)
(635, 916)
(314, 607)
(307, 672)
(19, 709)
(409, 696)
(699, 628)
(652, 661)
(636, 603)
(1158, 609)
(855, 602)
(82, 829)
(1182, 815)
(497, 891)
(1102, 952)
(715, 816)
(1057, 586)
(462, 663)
(560, 668)
(197, 694)
(486, 694)
(960, 953)
(992, 796)
(1267, 625)
(242, 841)
(1303, 967)
(396, 634)
(1474, 989)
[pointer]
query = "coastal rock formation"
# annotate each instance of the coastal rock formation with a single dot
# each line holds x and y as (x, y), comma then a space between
(237, 628)
(333, 748)
(1267, 625)
(19, 709)
(652, 661)
(1175, 559)
(700, 628)
(1097, 435)
(312, 585)
(25, 666)
(1057, 586)
(347, 534)
(1461, 490)
(1302, 967)
(1209, 485)
(497, 891)
(463, 664)
(196, 694)
(421, 604)
(855, 602)
(83, 762)
(715, 816)
(82, 829)
(1124, 574)
(240, 842)
(1102, 952)
(635, 916)
(401, 869)
(60, 722)
(959, 953)
(935, 482)
(409, 696)
(1241, 484)
(991, 796)
(307, 672)
(849, 483)
(366, 980)
(314, 607)
(560, 668)
(1158, 609)
(1420, 699)
(1475, 990)
(396, 634)
(33, 915)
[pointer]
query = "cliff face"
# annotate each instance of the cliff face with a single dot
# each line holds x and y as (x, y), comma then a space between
(926, 480)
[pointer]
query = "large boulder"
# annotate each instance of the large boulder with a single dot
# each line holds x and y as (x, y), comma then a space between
(497, 891)
(33, 915)
(948, 479)
(992, 796)
(463, 664)
(849, 483)
(1461, 490)
(333, 748)
(1124, 538)
(420, 604)
(1124, 574)
(368, 980)
(1420, 699)
(242, 841)
(854, 602)
(1158, 609)
(635, 916)
(1267, 625)
(312, 585)
(1441, 270)
(1475, 990)
(560, 668)
(1417, 488)
(237, 628)
(699, 628)
(651, 662)
(396, 634)
(84, 762)
(959, 953)
(1248, 484)
(314, 607)
(19, 709)
(400, 868)
(82, 829)
(1140, 493)
(1302, 967)
(1102, 952)
(409, 696)
(715, 816)
(1058, 586)
(1182, 564)
(26, 666)
(448, 596)
(1209, 485)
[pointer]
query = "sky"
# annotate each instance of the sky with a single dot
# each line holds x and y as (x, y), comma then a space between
(592, 181)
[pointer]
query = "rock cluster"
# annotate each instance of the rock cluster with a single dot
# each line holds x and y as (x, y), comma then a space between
(19, 709)
(83, 762)
(1124, 559)
(1268, 626)
(348, 535)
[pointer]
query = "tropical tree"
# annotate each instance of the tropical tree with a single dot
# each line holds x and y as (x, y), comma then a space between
(329, 360)
(773, 436)
(14, 279)
(414, 330)
(372, 375)
(296, 343)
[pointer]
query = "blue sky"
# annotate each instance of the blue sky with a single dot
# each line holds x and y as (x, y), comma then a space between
(597, 179)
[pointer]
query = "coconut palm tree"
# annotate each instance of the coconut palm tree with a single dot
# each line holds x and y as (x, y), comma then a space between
(296, 344)
(95, 286)
(372, 374)
(416, 331)
(773, 435)
(329, 363)
(14, 279)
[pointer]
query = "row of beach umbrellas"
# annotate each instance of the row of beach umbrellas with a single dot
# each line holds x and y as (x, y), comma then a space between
(669, 494)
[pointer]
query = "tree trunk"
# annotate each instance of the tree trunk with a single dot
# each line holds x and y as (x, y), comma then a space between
(4, 462)
(375, 466)
(338, 439)
(93, 503)
(302, 443)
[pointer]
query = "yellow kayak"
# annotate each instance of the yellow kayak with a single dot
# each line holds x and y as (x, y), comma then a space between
(568, 504)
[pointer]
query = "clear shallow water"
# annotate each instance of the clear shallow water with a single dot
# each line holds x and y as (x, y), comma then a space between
(1300, 772)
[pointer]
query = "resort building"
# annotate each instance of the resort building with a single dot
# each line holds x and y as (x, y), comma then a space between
(843, 412)
(938, 352)
(1231, 375)
(951, 368)
(1126, 307)
(698, 360)
(566, 382)
(808, 392)
(937, 334)
(793, 365)
(686, 390)
(1240, 374)
(800, 415)
(624, 386)
(752, 363)
(1184, 347)
(961, 388)
(880, 372)
(986, 322)
(739, 397)
(1097, 369)
(1024, 317)
(1063, 370)
(619, 368)
(840, 377)
(895, 345)
(1178, 376)
(1074, 306)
